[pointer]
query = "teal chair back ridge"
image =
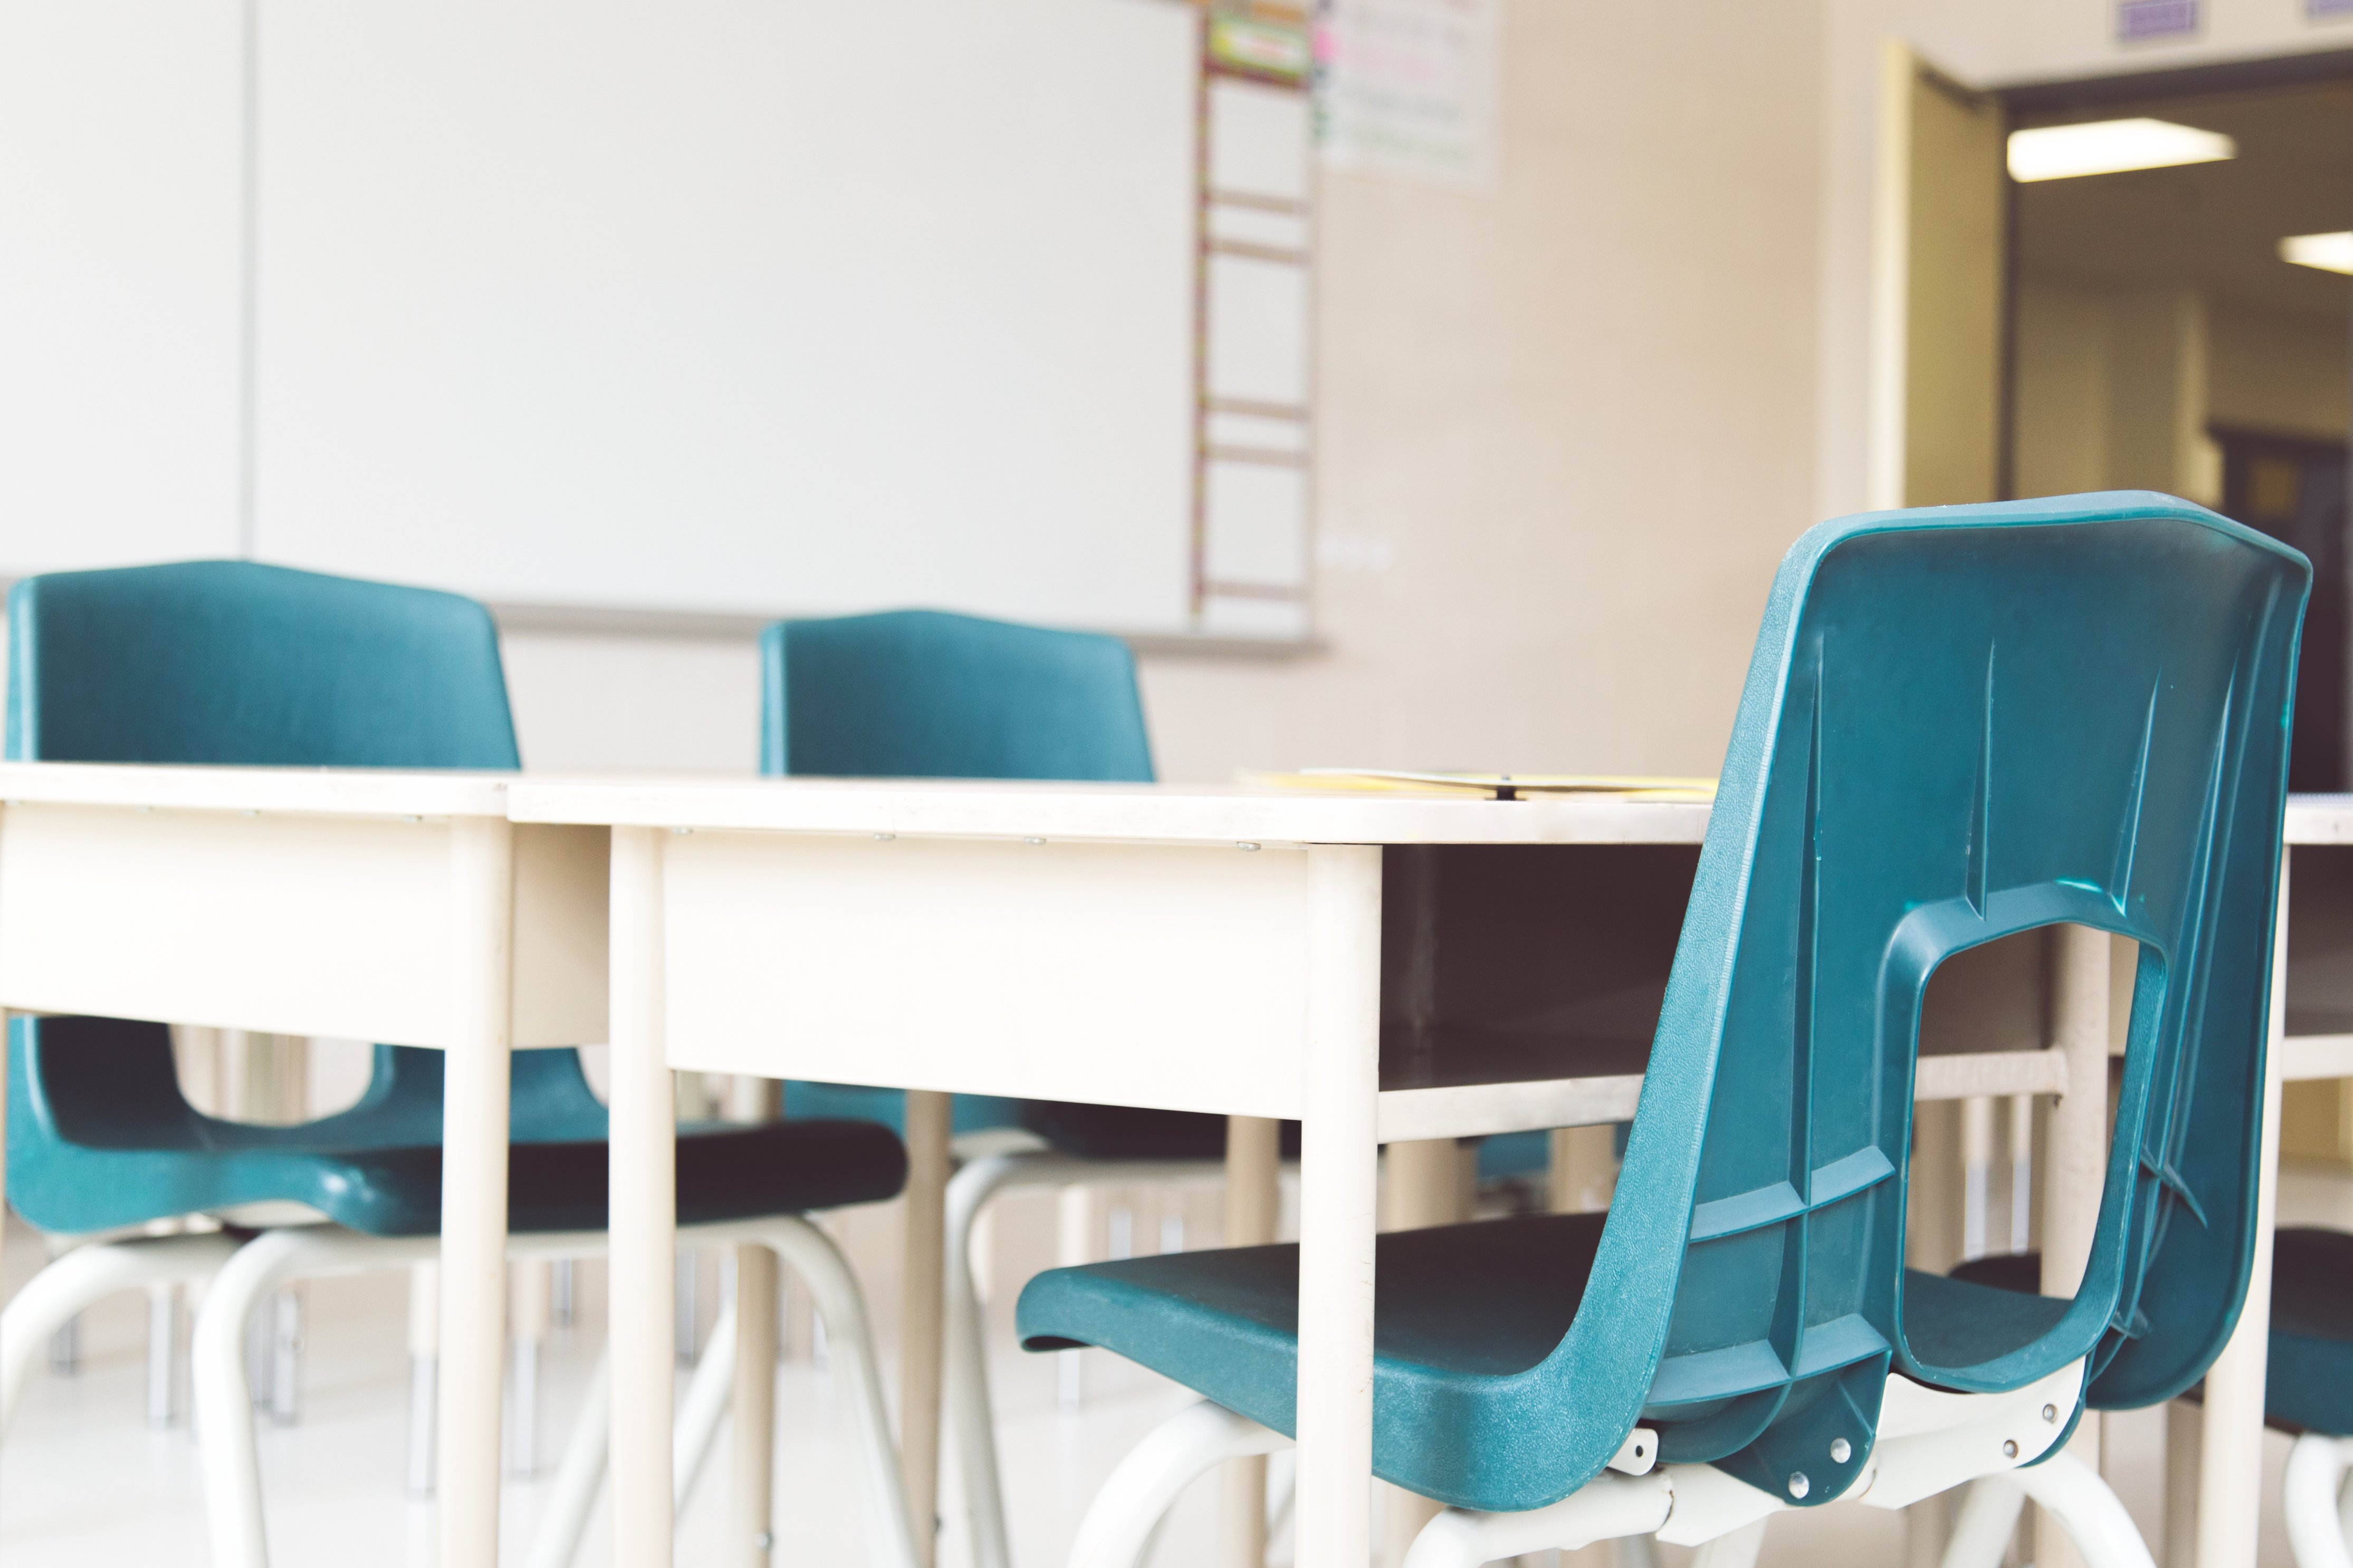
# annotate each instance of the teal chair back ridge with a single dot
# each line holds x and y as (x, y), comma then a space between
(928, 694)
(1931, 753)
(234, 662)
(230, 662)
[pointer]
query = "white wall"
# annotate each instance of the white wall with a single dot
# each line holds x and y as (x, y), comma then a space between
(1566, 430)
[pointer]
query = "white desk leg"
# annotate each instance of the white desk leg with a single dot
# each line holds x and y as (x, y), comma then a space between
(645, 1209)
(474, 1190)
(923, 1329)
(1253, 1197)
(1339, 1181)
(1425, 1187)
(753, 1446)
(2077, 1155)
(2231, 1442)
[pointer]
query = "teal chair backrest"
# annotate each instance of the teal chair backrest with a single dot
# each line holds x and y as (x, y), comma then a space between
(924, 694)
(1959, 724)
(230, 662)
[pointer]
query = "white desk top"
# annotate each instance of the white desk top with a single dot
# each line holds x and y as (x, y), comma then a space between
(2320, 819)
(323, 792)
(926, 807)
(1133, 813)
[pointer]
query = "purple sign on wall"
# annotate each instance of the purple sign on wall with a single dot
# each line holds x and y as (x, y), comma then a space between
(2140, 20)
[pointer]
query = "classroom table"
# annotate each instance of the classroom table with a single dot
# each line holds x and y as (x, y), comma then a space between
(395, 907)
(1385, 968)
(2311, 1038)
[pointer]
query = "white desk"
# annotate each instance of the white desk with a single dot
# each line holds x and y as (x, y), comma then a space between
(2311, 1038)
(394, 907)
(1186, 949)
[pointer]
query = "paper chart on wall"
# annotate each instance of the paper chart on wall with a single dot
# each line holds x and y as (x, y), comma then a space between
(1408, 88)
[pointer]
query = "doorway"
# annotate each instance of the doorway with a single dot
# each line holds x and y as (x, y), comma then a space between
(2186, 325)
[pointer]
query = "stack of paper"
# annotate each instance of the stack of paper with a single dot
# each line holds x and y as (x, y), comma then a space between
(1495, 786)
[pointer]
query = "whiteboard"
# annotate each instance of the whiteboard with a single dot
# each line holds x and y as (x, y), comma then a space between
(121, 266)
(731, 305)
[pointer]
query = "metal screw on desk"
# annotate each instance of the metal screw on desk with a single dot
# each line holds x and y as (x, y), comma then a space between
(681, 832)
(2051, 1413)
(1246, 847)
(1798, 1485)
(1033, 841)
(1840, 1450)
(2008, 1448)
(884, 837)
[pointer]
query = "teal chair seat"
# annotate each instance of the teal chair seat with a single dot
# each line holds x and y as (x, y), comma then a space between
(2308, 1380)
(1225, 1324)
(124, 1147)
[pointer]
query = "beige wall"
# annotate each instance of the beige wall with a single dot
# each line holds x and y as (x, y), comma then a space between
(2061, 388)
(2116, 388)
(2272, 371)
(1566, 430)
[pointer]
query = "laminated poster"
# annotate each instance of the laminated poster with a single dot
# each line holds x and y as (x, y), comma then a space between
(1407, 87)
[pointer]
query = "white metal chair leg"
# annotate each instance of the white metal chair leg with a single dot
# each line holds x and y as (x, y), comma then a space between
(527, 1320)
(811, 1254)
(2345, 1503)
(2316, 1529)
(88, 1274)
(971, 1418)
(2074, 1493)
(286, 1357)
(163, 1355)
(1120, 1524)
(578, 1476)
(707, 1397)
(1983, 1524)
(1605, 1508)
(224, 1405)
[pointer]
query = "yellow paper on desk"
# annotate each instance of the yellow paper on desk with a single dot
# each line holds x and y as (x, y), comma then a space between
(1619, 786)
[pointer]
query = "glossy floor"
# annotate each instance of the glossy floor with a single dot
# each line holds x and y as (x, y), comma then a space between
(85, 1483)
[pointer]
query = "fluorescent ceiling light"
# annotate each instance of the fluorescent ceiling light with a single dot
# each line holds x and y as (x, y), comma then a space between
(2111, 147)
(2329, 252)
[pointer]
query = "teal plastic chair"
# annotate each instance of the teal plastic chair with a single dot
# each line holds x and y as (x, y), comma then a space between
(231, 662)
(2307, 1379)
(2308, 1386)
(1958, 724)
(923, 694)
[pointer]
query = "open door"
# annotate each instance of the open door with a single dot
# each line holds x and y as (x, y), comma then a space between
(1939, 269)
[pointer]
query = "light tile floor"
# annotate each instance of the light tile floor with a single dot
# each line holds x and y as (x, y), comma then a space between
(86, 1485)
